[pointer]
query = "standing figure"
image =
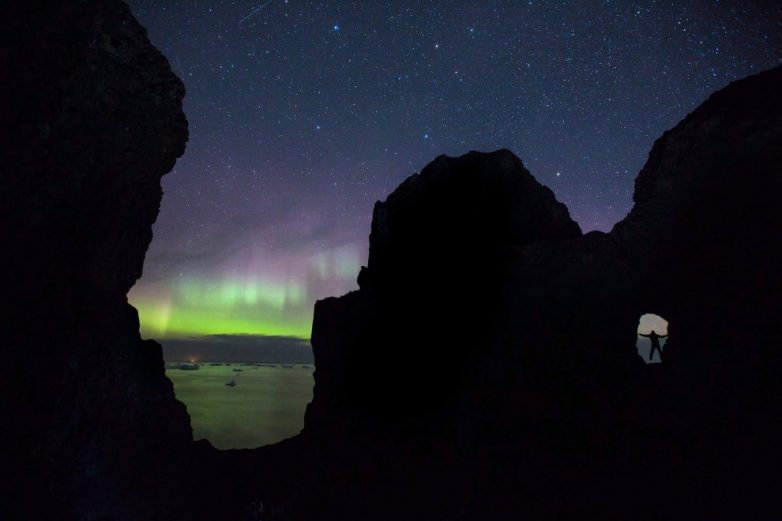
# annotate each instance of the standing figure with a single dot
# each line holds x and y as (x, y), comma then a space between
(655, 340)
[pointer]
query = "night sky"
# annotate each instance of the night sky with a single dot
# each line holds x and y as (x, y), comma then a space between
(304, 113)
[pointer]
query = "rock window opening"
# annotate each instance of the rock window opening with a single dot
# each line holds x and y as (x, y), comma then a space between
(651, 337)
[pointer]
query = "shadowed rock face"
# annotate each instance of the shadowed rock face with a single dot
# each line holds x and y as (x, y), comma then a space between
(92, 118)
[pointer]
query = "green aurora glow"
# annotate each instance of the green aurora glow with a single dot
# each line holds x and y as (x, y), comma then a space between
(275, 301)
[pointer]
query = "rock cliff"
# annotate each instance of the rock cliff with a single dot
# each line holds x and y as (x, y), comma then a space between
(92, 118)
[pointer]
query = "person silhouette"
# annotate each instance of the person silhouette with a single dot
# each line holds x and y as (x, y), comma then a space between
(654, 338)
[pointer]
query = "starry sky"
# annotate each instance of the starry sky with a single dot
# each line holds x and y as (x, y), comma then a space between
(303, 113)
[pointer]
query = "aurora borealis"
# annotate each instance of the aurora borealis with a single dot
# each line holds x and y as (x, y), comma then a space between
(303, 113)
(258, 299)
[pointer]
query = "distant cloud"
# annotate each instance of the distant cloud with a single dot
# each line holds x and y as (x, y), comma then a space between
(238, 348)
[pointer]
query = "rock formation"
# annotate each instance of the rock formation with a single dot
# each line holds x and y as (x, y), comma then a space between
(91, 119)
(431, 293)
(488, 330)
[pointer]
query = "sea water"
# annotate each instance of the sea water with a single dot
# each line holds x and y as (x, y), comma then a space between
(266, 404)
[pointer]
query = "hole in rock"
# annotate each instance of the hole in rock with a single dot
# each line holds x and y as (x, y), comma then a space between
(652, 334)
(244, 375)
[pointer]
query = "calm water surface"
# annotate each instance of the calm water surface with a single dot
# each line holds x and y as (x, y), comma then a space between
(265, 406)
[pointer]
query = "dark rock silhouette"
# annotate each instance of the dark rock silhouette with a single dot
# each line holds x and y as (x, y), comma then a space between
(501, 341)
(439, 255)
(485, 336)
(707, 201)
(485, 369)
(91, 119)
